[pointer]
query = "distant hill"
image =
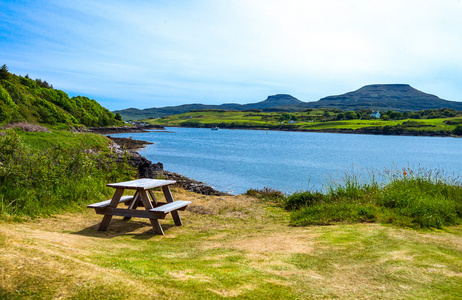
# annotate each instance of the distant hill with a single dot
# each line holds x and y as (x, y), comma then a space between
(382, 97)
(23, 99)
(148, 113)
(396, 97)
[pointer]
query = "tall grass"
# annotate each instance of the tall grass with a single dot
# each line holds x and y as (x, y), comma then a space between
(418, 199)
(43, 182)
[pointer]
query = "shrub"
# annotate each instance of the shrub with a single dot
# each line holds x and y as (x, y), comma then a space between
(458, 130)
(266, 194)
(37, 183)
(300, 199)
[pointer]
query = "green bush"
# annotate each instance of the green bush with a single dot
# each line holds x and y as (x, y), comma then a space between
(267, 194)
(300, 199)
(458, 130)
(37, 183)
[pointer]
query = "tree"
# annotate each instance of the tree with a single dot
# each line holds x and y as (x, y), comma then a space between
(458, 130)
(284, 116)
(395, 115)
(118, 116)
(4, 74)
(350, 115)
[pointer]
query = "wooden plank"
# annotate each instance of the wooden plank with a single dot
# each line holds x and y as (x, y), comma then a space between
(169, 198)
(169, 207)
(142, 184)
(114, 201)
(107, 202)
(132, 213)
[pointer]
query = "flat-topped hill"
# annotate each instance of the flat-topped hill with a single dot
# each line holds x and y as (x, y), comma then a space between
(396, 97)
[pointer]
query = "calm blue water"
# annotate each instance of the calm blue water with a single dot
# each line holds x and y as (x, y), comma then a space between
(237, 160)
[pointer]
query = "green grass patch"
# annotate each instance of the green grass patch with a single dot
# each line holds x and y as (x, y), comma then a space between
(422, 199)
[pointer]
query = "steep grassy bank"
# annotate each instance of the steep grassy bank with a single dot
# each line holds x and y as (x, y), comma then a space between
(229, 247)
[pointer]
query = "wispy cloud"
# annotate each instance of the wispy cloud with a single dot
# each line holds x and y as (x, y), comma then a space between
(157, 53)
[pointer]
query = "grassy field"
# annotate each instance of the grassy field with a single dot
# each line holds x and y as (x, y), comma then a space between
(314, 120)
(229, 247)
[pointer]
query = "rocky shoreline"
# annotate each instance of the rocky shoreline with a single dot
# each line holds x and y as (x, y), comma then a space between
(125, 129)
(146, 169)
(129, 144)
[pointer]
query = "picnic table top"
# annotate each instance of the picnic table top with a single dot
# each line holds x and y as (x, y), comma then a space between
(141, 184)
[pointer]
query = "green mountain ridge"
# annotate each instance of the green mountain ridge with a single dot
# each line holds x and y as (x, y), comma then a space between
(23, 99)
(149, 113)
(383, 97)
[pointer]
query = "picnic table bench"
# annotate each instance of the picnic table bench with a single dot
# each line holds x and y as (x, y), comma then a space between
(143, 197)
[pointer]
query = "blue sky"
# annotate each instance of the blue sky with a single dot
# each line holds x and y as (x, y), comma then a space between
(160, 53)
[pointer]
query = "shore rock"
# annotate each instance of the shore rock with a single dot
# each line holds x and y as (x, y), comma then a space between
(192, 185)
(129, 144)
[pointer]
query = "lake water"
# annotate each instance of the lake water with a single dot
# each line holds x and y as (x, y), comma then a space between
(237, 160)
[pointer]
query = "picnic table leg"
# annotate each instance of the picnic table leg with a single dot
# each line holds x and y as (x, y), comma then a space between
(107, 218)
(169, 198)
(153, 197)
(148, 205)
(133, 204)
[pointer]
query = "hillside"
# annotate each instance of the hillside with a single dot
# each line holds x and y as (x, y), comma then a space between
(278, 100)
(23, 99)
(381, 97)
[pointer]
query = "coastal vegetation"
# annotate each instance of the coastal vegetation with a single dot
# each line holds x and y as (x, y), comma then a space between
(47, 172)
(432, 122)
(23, 99)
(406, 198)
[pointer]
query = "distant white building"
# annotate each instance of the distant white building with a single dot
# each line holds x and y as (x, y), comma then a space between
(375, 115)
(291, 122)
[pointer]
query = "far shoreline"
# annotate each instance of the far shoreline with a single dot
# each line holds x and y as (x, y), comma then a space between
(341, 131)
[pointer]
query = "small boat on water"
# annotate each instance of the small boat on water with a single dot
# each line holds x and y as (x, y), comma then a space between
(215, 128)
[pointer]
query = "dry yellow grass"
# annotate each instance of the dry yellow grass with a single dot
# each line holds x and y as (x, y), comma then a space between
(232, 246)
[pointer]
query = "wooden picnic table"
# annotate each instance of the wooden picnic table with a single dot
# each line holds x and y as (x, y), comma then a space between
(143, 197)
